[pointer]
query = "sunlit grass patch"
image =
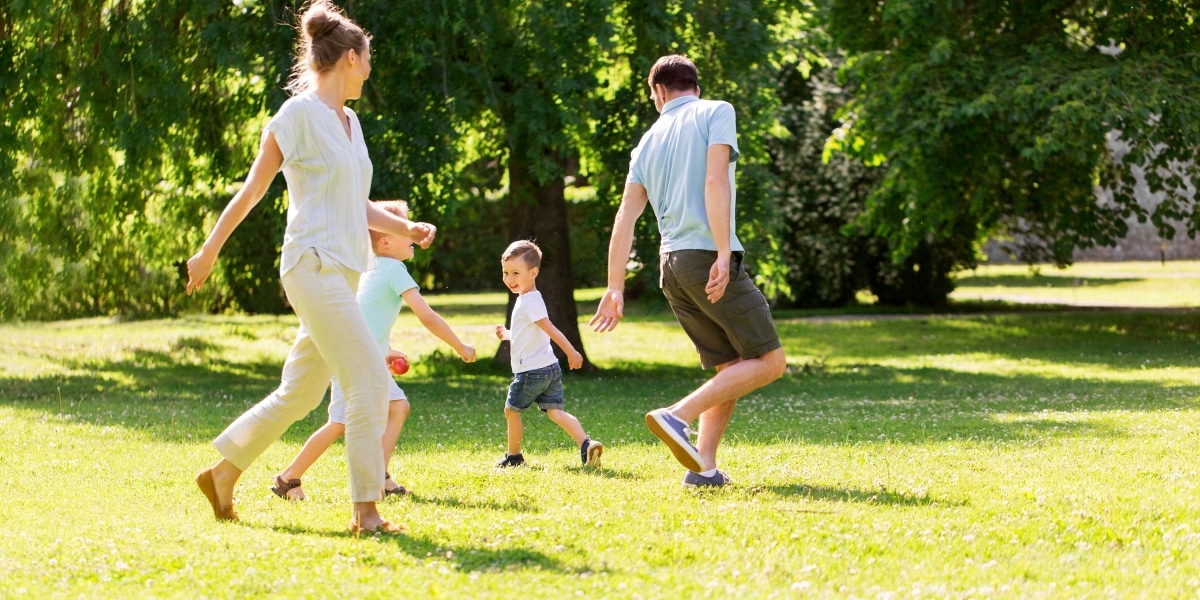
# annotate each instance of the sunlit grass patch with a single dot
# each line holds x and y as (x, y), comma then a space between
(1040, 455)
(1175, 283)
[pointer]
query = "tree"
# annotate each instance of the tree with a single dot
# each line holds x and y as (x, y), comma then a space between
(818, 198)
(739, 48)
(991, 118)
(478, 112)
(516, 95)
(492, 94)
(122, 123)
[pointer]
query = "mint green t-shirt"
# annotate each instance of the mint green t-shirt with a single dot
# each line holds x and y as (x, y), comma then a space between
(379, 293)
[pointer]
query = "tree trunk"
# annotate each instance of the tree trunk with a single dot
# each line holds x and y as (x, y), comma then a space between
(539, 213)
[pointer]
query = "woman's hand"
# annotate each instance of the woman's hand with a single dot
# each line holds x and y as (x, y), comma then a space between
(199, 267)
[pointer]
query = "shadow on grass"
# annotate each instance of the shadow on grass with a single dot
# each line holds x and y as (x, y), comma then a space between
(838, 494)
(1095, 338)
(185, 394)
(467, 558)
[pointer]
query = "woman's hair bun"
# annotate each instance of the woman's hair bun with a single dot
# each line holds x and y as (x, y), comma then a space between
(319, 22)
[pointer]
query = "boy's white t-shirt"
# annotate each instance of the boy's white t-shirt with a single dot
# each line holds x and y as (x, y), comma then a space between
(530, 345)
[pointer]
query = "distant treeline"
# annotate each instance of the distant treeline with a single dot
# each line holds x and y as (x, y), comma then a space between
(883, 141)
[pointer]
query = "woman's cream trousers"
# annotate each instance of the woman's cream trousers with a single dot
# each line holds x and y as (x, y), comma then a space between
(333, 340)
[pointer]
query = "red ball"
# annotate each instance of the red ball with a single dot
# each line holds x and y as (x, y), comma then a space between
(399, 366)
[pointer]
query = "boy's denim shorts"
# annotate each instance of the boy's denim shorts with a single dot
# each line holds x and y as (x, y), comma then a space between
(543, 386)
(738, 325)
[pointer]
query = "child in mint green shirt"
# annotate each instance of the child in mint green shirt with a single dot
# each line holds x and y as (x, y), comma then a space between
(381, 293)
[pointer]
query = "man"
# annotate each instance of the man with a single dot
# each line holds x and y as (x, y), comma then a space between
(683, 167)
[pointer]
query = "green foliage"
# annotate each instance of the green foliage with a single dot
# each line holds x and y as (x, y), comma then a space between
(127, 127)
(822, 196)
(125, 124)
(738, 48)
(818, 199)
(991, 118)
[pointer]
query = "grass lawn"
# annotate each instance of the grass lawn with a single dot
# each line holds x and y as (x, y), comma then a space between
(1046, 454)
(1174, 284)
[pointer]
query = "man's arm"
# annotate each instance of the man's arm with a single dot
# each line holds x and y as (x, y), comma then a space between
(717, 199)
(612, 304)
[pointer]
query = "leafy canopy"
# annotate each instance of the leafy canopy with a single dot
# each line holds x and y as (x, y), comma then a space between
(995, 117)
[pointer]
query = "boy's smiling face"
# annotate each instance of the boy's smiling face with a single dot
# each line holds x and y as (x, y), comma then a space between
(518, 276)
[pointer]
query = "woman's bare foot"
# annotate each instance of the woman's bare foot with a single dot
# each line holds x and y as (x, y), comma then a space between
(217, 483)
(366, 519)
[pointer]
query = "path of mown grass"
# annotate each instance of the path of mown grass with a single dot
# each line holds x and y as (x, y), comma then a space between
(1043, 455)
(1141, 284)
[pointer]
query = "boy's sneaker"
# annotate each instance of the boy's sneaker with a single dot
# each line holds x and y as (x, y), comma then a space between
(589, 453)
(511, 460)
(694, 479)
(674, 433)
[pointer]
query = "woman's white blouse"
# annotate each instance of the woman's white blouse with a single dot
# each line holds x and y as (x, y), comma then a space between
(328, 178)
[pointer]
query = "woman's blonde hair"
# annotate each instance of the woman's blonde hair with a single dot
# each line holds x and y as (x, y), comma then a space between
(325, 35)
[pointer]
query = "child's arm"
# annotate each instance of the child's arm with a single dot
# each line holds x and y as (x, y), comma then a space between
(393, 354)
(503, 333)
(437, 325)
(574, 358)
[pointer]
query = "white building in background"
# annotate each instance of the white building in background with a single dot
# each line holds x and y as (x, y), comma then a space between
(1142, 242)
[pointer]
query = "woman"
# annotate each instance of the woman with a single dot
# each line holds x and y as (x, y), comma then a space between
(318, 144)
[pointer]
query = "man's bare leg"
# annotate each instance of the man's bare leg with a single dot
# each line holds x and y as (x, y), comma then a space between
(733, 380)
(719, 394)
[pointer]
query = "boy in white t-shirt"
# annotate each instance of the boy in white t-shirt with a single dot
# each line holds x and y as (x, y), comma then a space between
(380, 292)
(536, 374)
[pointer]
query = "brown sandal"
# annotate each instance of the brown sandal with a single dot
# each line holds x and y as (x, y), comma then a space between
(281, 488)
(399, 490)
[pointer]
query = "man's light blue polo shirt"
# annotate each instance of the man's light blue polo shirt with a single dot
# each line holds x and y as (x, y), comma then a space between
(670, 162)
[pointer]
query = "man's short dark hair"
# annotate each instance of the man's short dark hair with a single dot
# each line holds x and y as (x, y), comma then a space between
(675, 72)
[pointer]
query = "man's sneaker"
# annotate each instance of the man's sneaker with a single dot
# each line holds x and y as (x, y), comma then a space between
(693, 479)
(589, 453)
(511, 460)
(674, 433)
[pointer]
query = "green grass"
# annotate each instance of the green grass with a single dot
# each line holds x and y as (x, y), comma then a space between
(1021, 455)
(1137, 284)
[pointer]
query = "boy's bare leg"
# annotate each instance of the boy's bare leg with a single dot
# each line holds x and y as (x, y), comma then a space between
(569, 424)
(516, 430)
(314, 447)
(397, 414)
